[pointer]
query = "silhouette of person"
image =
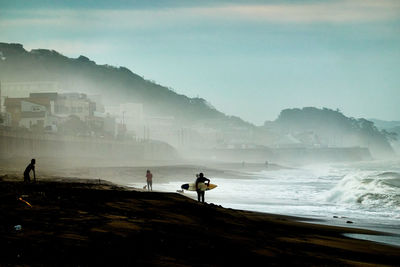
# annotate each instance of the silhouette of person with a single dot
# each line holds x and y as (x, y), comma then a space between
(29, 168)
(149, 178)
(201, 179)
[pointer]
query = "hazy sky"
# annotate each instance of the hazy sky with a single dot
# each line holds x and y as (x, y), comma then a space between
(247, 58)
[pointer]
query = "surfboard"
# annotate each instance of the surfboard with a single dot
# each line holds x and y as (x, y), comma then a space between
(202, 186)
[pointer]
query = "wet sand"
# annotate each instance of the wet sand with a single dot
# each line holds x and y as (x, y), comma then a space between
(91, 222)
(123, 174)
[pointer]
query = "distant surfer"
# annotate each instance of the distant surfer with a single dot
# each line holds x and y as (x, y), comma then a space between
(201, 179)
(29, 168)
(149, 178)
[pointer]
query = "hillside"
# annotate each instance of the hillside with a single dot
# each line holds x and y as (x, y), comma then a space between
(385, 125)
(115, 84)
(210, 127)
(392, 128)
(326, 127)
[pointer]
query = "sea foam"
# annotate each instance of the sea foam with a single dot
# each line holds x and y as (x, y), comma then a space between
(368, 190)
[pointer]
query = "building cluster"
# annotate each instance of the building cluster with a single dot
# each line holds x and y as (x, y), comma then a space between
(78, 114)
(66, 113)
(43, 107)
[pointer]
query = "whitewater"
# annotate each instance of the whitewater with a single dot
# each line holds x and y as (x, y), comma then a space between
(364, 195)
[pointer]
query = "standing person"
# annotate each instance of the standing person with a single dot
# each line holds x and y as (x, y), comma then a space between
(201, 179)
(29, 168)
(149, 177)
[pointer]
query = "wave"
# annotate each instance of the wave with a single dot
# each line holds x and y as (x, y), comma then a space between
(368, 189)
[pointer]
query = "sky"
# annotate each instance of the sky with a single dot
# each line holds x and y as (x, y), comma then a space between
(247, 58)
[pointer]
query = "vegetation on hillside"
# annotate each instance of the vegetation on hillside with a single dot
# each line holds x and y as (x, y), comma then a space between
(310, 126)
(116, 84)
(332, 128)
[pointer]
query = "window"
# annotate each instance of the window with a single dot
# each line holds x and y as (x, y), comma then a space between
(36, 108)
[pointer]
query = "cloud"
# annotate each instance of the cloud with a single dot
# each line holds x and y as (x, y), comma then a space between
(347, 11)
(341, 11)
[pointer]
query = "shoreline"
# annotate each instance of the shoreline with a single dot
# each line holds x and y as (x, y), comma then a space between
(74, 221)
(133, 175)
(384, 233)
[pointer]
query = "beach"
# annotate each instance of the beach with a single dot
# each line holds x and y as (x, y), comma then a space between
(86, 222)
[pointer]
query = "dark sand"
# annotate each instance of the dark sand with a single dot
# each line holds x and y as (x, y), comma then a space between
(81, 222)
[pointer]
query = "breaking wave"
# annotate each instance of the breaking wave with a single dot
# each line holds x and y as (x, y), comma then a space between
(369, 190)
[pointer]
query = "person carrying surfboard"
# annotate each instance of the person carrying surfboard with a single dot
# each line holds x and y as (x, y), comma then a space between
(201, 179)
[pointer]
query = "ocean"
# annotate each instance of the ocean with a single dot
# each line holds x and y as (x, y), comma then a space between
(367, 194)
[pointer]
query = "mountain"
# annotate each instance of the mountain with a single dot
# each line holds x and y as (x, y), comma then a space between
(300, 127)
(326, 127)
(392, 129)
(391, 126)
(396, 130)
(115, 84)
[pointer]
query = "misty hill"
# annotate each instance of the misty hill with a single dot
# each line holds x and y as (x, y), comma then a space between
(326, 127)
(305, 127)
(390, 126)
(115, 84)
(396, 130)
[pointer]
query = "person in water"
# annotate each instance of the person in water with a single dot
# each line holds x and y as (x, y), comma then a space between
(201, 179)
(149, 178)
(29, 168)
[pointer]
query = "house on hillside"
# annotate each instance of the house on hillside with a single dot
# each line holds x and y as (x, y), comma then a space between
(50, 112)
(26, 112)
(33, 115)
(98, 99)
(75, 104)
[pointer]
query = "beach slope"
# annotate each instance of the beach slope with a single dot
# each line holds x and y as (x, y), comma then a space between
(81, 222)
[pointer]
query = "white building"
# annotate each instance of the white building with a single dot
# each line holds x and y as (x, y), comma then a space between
(33, 115)
(98, 99)
(75, 104)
